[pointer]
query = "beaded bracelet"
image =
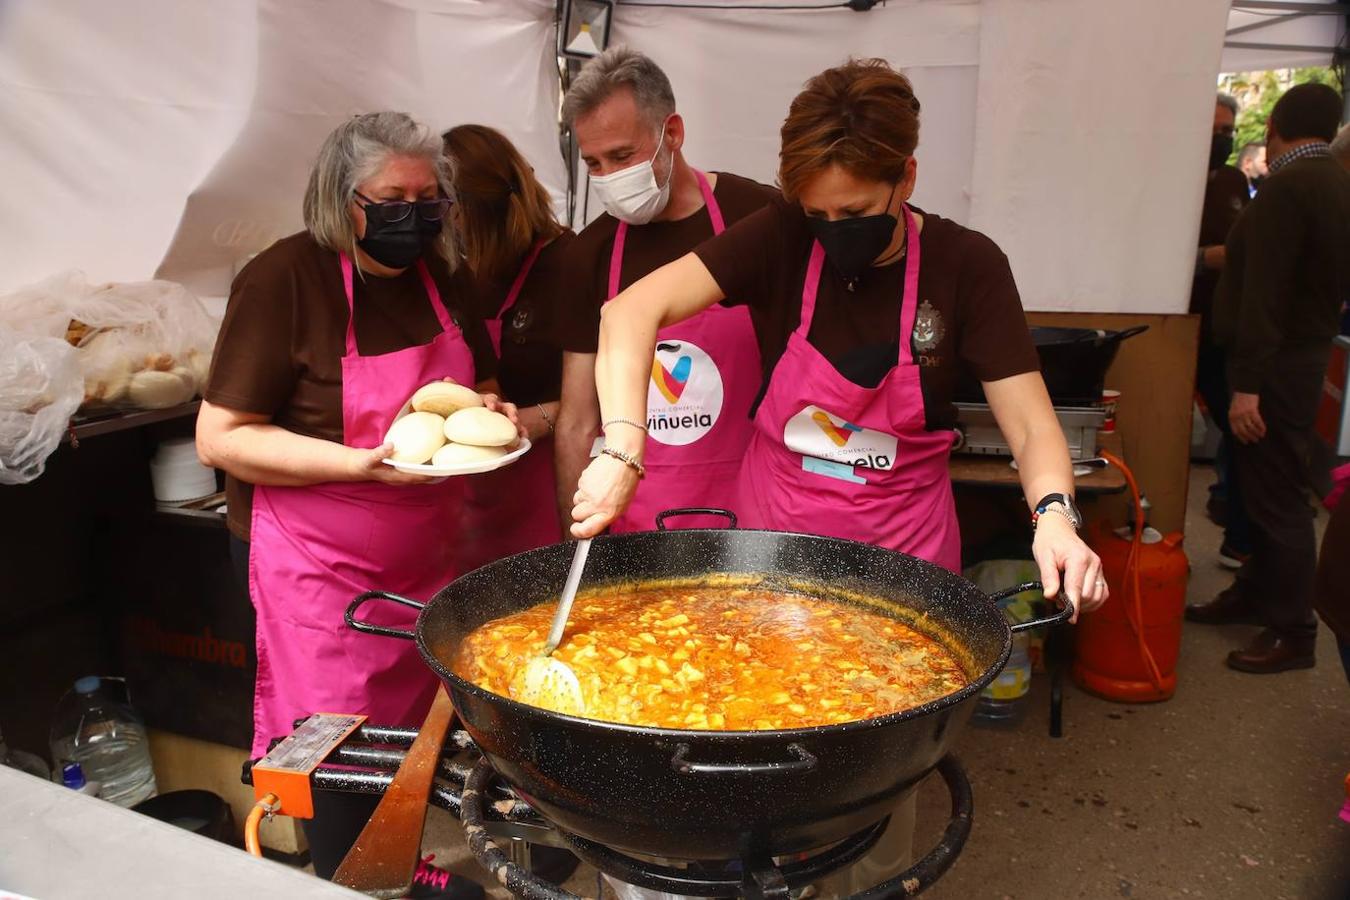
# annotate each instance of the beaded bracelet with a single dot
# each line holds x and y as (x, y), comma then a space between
(548, 420)
(628, 422)
(627, 459)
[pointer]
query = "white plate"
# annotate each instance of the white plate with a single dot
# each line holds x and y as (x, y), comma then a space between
(477, 468)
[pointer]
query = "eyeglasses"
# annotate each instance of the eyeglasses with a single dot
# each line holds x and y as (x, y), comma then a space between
(390, 211)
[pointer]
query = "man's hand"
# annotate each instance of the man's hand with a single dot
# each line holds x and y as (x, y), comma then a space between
(1244, 418)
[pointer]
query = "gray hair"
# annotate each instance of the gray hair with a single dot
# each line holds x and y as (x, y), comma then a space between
(356, 151)
(1340, 146)
(1229, 102)
(615, 68)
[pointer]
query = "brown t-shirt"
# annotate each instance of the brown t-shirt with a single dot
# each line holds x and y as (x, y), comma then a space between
(969, 316)
(646, 249)
(530, 368)
(281, 344)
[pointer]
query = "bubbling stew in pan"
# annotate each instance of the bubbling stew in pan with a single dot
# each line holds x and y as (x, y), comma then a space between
(734, 658)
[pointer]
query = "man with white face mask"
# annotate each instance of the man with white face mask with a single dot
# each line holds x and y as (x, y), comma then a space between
(706, 371)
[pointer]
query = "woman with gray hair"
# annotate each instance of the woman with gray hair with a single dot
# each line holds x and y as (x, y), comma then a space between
(326, 335)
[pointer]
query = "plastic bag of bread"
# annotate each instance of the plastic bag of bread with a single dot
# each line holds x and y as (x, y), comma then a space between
(129, 336)
(40, 388)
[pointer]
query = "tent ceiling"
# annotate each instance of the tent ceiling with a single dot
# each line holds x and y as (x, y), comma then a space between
(1284, 34)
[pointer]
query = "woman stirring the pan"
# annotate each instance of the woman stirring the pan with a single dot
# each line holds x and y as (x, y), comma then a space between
(864, 308)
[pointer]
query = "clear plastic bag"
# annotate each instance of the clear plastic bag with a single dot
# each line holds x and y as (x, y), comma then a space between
(143, 345)
(40, 388)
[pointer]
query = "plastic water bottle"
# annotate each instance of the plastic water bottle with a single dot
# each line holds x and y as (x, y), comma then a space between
(72, 776)
(106, 737)
(1003, 702)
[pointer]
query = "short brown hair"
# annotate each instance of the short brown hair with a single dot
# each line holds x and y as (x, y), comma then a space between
(862, 116)
(1307, 111)
(503, 209)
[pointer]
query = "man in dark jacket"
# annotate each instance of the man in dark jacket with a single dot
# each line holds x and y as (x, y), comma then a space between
(1225, 197)
(1277, 308)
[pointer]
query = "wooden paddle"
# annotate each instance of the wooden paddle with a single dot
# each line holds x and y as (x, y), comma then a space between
(384, 858)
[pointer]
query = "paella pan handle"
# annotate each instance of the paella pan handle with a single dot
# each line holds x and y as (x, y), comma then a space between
(382, 630)
(803, 761)
(1058, 618)
(694, 511)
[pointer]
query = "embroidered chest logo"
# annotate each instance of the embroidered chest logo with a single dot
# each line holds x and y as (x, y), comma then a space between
(928, 328)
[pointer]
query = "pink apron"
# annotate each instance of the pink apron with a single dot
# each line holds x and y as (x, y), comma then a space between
(705, 375)
(316, 547)
(514, 509)
(832, 458)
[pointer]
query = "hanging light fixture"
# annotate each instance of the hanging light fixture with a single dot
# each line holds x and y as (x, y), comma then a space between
(583, 29)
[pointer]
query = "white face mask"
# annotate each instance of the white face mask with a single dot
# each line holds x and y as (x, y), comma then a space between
(632, 195)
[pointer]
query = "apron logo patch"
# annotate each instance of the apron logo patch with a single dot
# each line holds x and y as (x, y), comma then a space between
(837, 433)
(928, 328)
(684, 398)
(816, 433)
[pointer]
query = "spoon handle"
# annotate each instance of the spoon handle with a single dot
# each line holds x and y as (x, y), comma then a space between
(569, 594)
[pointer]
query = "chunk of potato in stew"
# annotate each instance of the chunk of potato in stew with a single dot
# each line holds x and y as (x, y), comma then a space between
(720, 658)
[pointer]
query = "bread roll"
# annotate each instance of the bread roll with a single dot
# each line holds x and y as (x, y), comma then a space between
(444, 398)
(465, 454)
(416, 437)
(158, 390)
(480, 427)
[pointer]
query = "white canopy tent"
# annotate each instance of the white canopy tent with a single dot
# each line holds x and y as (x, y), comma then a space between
(1284, 34)
(170, 137)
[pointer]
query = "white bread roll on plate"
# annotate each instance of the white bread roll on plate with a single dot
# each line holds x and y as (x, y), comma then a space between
(444, 398)
(454, 455)
(416, 437)
(480, 427)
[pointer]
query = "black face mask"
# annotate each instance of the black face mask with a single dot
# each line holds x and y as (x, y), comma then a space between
(397, 244)
(1220, 148)
(852, 244)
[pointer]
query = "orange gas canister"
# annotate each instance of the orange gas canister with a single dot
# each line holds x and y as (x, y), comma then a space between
(1127, 650)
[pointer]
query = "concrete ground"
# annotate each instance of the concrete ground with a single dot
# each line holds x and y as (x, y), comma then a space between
(1229, 790)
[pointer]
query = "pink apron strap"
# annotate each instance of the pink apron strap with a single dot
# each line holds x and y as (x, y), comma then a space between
(909, 303)
(620, 235)
(616, 261)
(429, 283)
(524, 273)
(810, 287)
(714, 211)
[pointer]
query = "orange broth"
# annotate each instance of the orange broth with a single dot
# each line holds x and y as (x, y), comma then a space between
(735, 658)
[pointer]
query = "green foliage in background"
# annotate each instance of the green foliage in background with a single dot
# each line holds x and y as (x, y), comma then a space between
(1257, 92)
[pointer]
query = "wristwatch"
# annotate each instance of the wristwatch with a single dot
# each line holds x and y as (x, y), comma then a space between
(1058, 503)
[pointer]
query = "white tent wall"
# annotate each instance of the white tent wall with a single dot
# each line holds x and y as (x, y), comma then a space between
(170, 137)
(152, 135)
(735, 72)
(1094, 123)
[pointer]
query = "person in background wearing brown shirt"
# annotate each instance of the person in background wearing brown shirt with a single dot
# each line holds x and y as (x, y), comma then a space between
(864, 309)
(326, 335)
(517, 250)
(1277, 309)
(705, 372)
(1225, 197)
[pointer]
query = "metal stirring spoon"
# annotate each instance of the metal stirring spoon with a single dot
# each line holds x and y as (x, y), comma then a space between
(549, 682)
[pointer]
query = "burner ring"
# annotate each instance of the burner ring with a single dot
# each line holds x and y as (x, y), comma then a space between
(758, 880)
